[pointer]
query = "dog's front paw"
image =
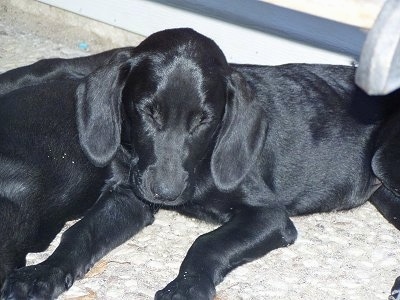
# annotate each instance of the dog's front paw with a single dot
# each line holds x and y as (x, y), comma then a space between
(37, 282)
(188, 287)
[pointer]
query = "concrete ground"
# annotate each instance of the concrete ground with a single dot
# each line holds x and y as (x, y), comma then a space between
(338, 256)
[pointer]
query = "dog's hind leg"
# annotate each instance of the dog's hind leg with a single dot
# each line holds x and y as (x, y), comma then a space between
(386, 166)
(388, 204)
(386, 160)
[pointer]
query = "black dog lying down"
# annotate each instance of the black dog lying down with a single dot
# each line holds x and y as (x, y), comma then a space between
(169, 124)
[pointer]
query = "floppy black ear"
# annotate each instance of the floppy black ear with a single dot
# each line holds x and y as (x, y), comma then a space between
(241, 138)
(98, 111)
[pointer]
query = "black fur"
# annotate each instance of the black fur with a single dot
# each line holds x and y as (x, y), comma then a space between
(170, 124)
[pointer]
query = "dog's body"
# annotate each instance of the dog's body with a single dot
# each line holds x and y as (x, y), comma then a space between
(171, 124)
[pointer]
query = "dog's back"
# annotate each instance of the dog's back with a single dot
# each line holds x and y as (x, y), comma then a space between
(322, 135)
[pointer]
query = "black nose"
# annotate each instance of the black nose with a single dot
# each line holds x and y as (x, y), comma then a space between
(167, 187)
(167, 191)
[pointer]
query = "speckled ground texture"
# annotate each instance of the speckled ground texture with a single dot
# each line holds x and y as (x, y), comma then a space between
(344, 255)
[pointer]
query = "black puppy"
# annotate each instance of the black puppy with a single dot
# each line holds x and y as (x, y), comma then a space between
(170, 124)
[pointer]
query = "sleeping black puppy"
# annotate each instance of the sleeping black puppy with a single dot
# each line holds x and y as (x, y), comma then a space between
(170, 124)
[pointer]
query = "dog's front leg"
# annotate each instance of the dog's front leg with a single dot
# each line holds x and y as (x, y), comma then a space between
(116, 216)
(251, 233)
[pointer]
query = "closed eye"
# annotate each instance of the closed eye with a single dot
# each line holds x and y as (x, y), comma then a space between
(198, 121)
(153, 115)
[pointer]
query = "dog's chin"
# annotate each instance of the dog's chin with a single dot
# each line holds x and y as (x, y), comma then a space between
(177, 202)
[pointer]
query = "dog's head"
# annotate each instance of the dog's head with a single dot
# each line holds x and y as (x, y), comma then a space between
(182, 106)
